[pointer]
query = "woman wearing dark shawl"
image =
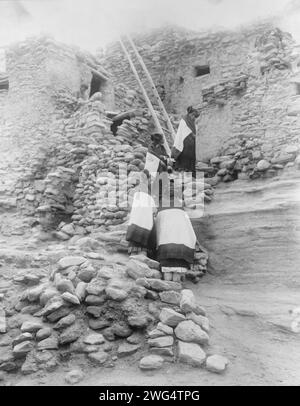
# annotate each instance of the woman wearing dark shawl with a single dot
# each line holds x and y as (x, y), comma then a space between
(184, 149)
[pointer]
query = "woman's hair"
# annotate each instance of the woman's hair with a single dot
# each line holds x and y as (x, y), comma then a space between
(156, 136)
(191, 110)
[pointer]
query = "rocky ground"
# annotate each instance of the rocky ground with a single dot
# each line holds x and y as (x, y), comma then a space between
(98, 315)
(253, 334)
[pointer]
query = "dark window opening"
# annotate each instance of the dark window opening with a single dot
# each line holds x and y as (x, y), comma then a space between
(297, 87)
(96, 84)
(201, 70)
(4, 82)
(181, 80)
(117, 123)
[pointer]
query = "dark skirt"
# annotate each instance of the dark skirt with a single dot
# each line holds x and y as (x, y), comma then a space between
(141, 237)
(186, 161)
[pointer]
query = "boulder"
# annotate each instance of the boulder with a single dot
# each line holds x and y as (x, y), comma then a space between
(68, 229)
(263, 165)
(96, 287)
(156, 333)
(116, 294)
(135, 338)
(32, 325)
(64, 285)
(151, 362)
(52, 306)
(98, 358)
(136, 270)
(170, 297)
(160, 342)
(291, 149)
(74, 376)
(216, 364)
(98, 324)
(87, 274)
(70, 298)
(160, 285)
(50, 343)
(93, 300)
(95, 311)
(70, 335)
(188, 331)
(106, 272)
(170, 317)
(43, 333)
(59, 314)
(20, 350)
(65, 322)
(202, 321)
(164, 328)
(145, 260)
(80, 291)
(21, 338)
(94, 339)
(34, 294)
(69, 261)
(140, 321)
(122, 330)
(188, 301)
(190, 353)
(48, 294)
(126, 349)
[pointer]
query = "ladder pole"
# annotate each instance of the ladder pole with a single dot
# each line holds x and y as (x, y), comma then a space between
(160, 103)
(148, 102)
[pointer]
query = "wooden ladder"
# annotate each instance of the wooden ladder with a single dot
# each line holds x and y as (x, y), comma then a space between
(158, 116)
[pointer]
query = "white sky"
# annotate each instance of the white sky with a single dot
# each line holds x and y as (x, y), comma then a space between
(94, 23)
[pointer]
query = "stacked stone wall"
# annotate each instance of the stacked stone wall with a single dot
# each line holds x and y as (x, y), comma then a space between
(247, 101)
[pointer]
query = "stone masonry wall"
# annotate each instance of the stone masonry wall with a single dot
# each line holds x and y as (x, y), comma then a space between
(245, 100)
(44, 86)
(45, 83)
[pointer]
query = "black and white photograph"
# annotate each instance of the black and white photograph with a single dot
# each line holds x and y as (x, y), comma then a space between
(149, 196)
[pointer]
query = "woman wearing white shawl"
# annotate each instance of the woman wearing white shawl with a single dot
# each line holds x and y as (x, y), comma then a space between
(140, 232)
(176, 239)
(184, 149)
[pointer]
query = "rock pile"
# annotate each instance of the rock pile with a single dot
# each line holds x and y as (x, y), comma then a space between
(94, 306)
(181, 335)
(101, 194)
(56, 316)
(249, 162)
(83, 177)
